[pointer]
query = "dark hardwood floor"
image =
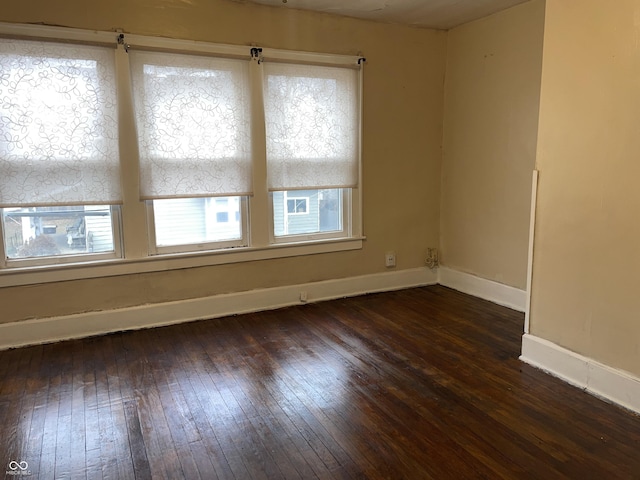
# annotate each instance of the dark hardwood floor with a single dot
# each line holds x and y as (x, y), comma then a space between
(420, 384)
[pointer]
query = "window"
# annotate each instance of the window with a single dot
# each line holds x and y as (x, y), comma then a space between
(194, 136)
(230, 149)
(312, 126)
(297, 206)
(59, 162)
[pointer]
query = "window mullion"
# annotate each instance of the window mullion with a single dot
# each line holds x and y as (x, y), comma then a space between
(134, 241)
(259, 211)
(355, 198)
(3, 247)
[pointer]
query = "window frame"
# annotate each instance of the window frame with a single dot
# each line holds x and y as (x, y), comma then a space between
(155, 249)
(345, 233)
(134, 236)
(68, 259)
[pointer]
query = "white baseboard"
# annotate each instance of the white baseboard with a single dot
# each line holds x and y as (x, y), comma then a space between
(601, 380)
(479, 287)
(46, 330)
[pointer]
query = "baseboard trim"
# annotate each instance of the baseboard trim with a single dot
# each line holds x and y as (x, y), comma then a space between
(53, 329)
(479, 287)
(611, 384)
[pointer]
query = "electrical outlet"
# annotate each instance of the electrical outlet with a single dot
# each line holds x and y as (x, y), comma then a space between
(303, 296)
(390, 259)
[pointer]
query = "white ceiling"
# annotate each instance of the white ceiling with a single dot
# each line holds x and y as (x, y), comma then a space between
(441, 14)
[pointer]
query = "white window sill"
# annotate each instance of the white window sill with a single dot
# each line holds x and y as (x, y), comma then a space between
(108, 268)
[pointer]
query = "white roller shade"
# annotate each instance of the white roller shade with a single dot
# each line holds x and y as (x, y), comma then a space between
(193, 120)
(312, 126)
(58, 130)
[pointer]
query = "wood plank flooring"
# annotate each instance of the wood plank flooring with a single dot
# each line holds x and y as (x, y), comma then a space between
(417, 384)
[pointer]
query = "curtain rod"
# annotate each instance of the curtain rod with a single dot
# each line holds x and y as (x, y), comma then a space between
(120, 38)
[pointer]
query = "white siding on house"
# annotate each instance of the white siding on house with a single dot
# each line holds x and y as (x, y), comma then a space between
(279, 218)
(184, 221)
(308, 222)
(223, 218)
(99, 231)
(179, 221)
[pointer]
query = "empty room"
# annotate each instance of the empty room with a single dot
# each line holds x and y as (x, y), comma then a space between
(317, 239)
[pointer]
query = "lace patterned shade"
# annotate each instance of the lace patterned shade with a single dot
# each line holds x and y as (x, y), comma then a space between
(193, 119)
(311, 115)
(58, 130)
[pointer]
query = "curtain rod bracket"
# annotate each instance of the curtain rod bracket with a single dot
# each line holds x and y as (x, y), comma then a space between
(121, 41)
(256, 52)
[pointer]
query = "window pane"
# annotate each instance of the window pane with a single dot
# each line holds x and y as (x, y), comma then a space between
(56, 231)
(307, 211)
(185, 221)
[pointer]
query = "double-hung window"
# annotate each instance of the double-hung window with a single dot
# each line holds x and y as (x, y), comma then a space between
(312, 125)
(59, 158)
(157, 147)
(194, 136)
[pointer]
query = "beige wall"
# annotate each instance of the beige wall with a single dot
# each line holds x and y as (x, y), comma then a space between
(587, 249)
(403, 94)
(491, 113)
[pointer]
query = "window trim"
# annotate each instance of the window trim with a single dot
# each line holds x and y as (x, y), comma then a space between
(157, 263)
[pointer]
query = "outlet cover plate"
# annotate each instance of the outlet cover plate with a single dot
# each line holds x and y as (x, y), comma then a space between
(390, 259)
